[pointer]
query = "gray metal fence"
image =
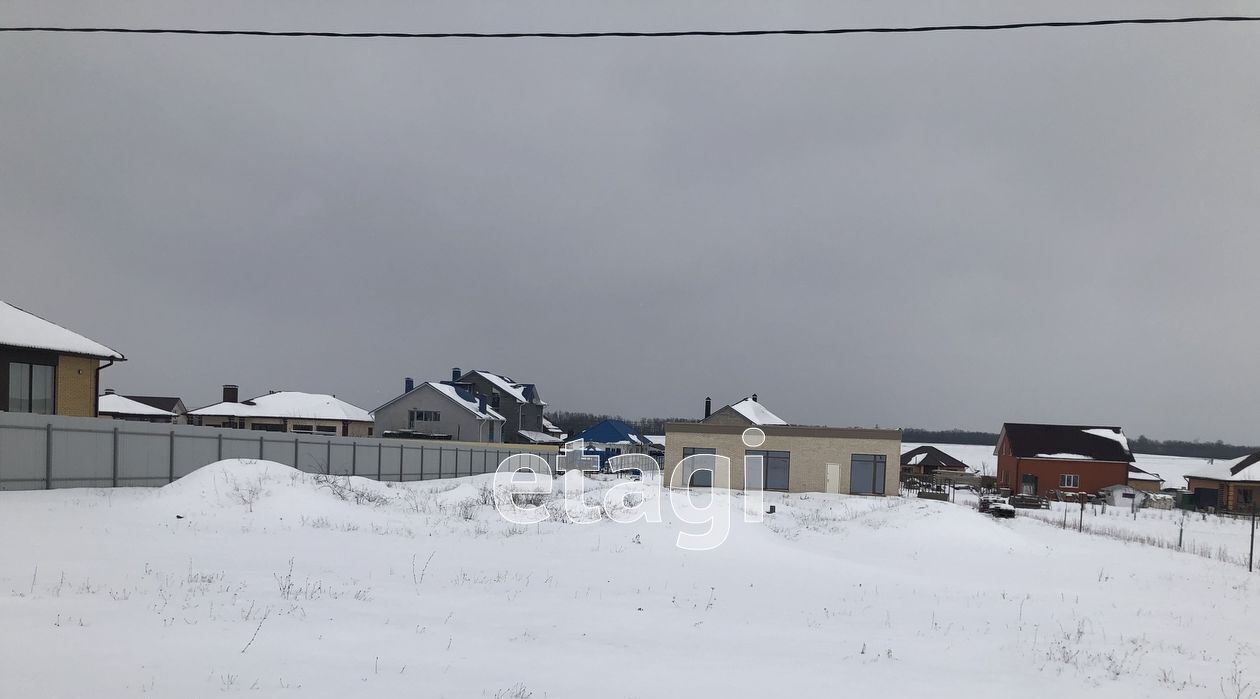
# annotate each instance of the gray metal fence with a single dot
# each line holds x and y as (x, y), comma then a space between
(50, 451)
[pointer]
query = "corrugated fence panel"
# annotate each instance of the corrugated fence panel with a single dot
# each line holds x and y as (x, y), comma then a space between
(144, 458)
(91, 452)
(82, 459)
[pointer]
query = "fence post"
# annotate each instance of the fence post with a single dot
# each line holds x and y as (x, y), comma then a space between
(439, 463)
(328, 461)
(421, 462)
(114, 465)
(380, 458)
(170, 478)
(296, 451)
(354, 458)
(401, 451)
(260, 447)
(220, 447)
(1251, 555)
(48, 458)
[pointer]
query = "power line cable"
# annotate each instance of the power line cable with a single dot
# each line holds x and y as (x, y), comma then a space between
(636, 35)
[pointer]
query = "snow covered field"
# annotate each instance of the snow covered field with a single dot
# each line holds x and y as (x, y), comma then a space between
(255, 579)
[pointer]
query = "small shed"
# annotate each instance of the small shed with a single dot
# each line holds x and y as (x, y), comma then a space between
(1123, 496)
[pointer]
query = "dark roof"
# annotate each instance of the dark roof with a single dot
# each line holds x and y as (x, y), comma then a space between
(167, 403)
(1244, 463)
(612, 432)
(932, 458)
(1031, 440)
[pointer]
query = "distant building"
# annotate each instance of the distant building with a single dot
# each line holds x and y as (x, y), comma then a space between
(518, 403)
(286, 411)
(614, 438)
(743, 412)
(792, 458)
(1144, 480)
(439, 411)
(1228, 486)
(112, 405)
(47, 369)
(1048, 460)
(163, 404)
(930, 461)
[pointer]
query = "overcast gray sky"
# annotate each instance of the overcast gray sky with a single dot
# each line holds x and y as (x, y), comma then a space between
(945, 230)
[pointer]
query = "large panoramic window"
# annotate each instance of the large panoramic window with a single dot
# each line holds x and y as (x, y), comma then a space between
(775, 466)
(424, 416)
(867, 473)
(699, 479)
(31, 388)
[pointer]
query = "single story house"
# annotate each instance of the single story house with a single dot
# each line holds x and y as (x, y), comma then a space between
(286, 411)
(439, 410)
(793, 458)
(1144, 480)
(112, 405)
(1228, 486)
(614, 437)
(1049, 460)
(47, 369)
(928, 460)
(1124, 496)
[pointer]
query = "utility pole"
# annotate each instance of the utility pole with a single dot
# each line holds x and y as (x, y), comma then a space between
(1081, 526)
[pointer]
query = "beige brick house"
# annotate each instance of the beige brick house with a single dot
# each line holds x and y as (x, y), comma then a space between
(47, 369)
(792, 458)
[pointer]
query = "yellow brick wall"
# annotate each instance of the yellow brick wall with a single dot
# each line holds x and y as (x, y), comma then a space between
(76, 386)
(807, 468)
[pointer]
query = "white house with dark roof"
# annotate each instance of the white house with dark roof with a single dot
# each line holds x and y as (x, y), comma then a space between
(286, 411)
(439, 410)
(118, 407)
(46, 368)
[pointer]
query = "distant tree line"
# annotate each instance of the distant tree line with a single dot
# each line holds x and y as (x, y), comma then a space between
(1140, 445)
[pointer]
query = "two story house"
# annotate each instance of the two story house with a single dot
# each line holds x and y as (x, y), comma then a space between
(518, 403)
(442, 410)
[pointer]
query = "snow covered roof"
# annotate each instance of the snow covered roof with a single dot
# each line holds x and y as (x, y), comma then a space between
(522, 392)
(19, 328)
(114, 404)
(550, 426)
(1084, 442)
(757, 413)
(289, 404)
(538, 437)
(928, 455)
(168, 403)
(1244, 468)
(465, 400)
(657, 439)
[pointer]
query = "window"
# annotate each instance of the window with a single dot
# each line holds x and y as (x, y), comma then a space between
(267, 427)
(494, 400)
(699, 479)
(303, 428)
(1245, 496)
(326, 429)
(867, 473)
(1069, 480)
(423, 416)
(31, 388)
(775, 466)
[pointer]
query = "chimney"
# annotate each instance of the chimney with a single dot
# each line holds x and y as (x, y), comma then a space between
(231, 393)
(754, 397)
(109, 391)
(408, 385)
(455, 374)
(708, 406)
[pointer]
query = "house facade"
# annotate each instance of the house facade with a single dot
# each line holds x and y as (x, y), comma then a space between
(1052, 460)
(286, 411)
(518, 403)
(792, 458)
(439, 411)
(1231, 486)
(47, 369)
(928, 460)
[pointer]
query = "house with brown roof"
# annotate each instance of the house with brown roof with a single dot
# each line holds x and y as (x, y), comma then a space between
(1050, 460)
(48, 369)
(928, 460)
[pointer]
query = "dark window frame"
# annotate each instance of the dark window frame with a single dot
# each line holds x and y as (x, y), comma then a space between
(51, 399)
(777, 455)
(879, 487)
(694, 451)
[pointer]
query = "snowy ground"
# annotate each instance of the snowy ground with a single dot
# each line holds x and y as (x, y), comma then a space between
(253, 578)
